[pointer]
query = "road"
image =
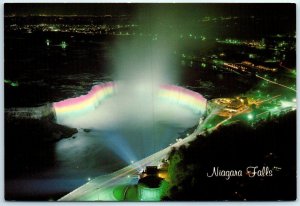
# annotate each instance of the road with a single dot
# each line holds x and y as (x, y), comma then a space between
(273, 82)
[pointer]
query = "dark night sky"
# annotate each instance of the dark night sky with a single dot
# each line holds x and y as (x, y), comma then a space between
(199, 10)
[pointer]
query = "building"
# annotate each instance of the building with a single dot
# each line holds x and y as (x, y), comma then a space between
(229, 106)
(152, 182)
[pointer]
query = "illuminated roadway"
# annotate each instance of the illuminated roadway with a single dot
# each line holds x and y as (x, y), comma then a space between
(275, 83)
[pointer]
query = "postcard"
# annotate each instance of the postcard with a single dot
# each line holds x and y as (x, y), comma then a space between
(150, 102)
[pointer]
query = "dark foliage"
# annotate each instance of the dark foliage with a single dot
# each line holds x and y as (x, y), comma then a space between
(271, 144)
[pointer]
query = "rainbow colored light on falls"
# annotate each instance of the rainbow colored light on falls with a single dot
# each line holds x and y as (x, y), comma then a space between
(182, 96)
(87, 103)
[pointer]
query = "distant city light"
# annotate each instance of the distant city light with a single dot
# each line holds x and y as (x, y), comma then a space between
(11, 83)
(47, 42)
(63, 45)
(250, 116)
(14, 84)
(285, 104)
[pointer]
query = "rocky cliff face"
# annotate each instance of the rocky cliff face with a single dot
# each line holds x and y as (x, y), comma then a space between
(37, 120)
(45, 111)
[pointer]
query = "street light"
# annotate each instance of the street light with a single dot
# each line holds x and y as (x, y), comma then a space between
(47, 42)
(250, 116)
(63, 45)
